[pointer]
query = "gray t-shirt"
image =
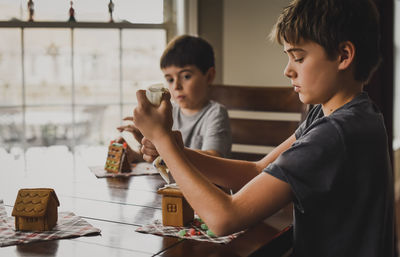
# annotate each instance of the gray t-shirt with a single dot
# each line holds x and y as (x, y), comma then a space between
(339, 171)
(209, 129)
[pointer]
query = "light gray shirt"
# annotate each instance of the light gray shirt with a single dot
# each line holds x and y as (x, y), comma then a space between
(209, 129)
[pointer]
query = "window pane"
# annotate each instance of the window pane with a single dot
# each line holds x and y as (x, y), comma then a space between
(139, 11)
(90, 123)
(100, 126)
(112, 120)
(135, 11)
(48, 66)
(10, 67)
(11, 131)
(127, 110)
(48, 125)
(96, 66)
(92, 10)
(48, 10)
(142, 50)
(11, 9)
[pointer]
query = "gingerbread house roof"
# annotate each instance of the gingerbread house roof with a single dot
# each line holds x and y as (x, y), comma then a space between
(33, 202)
(170, 191)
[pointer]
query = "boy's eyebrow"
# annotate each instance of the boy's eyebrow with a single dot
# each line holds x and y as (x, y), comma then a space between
(186, 70)
(181, 71)
(294, 49)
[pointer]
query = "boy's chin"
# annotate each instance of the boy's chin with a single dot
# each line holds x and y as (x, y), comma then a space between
(305, 100)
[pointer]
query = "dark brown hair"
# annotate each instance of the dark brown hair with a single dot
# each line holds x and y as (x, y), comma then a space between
(331, 22)
(188, 50)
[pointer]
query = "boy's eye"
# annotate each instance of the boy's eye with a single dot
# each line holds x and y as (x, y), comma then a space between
(169, 80)
(187, 76)
(300, 60)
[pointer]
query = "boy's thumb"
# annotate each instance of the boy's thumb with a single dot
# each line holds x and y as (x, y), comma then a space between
(165, 100)
(166, 96)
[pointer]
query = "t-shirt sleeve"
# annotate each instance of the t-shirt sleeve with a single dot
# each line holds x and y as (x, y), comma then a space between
(312, 165)
(218, 135)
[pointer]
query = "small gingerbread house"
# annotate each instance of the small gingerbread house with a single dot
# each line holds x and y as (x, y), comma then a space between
(116, 158)
(35, 209)
(176, 211)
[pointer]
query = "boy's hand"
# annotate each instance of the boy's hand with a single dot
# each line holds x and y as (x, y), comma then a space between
(131, 128)
(149, 150)
(153, 122)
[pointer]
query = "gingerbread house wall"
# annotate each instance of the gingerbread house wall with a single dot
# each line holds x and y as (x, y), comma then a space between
(176, 211)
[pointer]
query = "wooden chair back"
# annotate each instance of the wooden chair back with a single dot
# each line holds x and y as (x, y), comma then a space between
(261, 117)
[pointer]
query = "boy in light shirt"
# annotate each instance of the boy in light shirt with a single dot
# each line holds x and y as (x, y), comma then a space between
(188, 66)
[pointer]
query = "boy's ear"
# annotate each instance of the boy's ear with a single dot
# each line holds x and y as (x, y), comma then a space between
(347, 52)
(210, 75)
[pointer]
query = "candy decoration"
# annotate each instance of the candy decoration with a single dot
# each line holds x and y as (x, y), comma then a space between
(204, 226)
(210, 233)
(182, 232)
(192, 232)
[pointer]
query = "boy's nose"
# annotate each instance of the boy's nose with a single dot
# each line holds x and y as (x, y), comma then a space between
(289, 72)
(177, 85)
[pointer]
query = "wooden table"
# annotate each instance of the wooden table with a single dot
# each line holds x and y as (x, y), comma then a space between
(115, 205)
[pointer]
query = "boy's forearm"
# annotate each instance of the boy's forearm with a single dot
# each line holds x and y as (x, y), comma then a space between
(228, 173)
(194, 185)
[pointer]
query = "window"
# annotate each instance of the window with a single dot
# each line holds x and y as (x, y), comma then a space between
(71, 83)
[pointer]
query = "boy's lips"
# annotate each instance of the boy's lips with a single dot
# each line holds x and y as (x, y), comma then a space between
(296, 88)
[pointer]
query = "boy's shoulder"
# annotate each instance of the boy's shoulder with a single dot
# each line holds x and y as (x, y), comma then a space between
(359, 117)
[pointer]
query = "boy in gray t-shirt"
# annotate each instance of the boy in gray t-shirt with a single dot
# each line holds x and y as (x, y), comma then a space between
(205, 130)
(189, 70)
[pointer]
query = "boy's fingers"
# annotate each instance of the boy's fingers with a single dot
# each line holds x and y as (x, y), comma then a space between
(141, 97)
(165, 100)
(123, 127)
(147, 143)
(166, 96)
(149, 158)
(148, 147)
(149, 151)
(128, 118)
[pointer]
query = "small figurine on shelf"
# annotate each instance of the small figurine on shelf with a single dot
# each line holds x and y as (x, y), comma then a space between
(71, 13)
(110, 10)
(31, 10)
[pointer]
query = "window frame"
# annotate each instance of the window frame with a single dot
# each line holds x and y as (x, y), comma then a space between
(168, 25)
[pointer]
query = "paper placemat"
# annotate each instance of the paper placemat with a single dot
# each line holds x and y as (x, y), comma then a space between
(68, 226)
(138, 169)
(157, 228)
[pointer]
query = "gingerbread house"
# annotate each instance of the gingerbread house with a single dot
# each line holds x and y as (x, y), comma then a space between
(35, 209)
(116, 158)
(176, 211)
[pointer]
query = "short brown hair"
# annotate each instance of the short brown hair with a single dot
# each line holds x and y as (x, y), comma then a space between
(331, 22)
(188, 50)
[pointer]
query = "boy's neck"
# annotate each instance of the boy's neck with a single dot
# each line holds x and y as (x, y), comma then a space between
(193, 111)
(344, 95)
